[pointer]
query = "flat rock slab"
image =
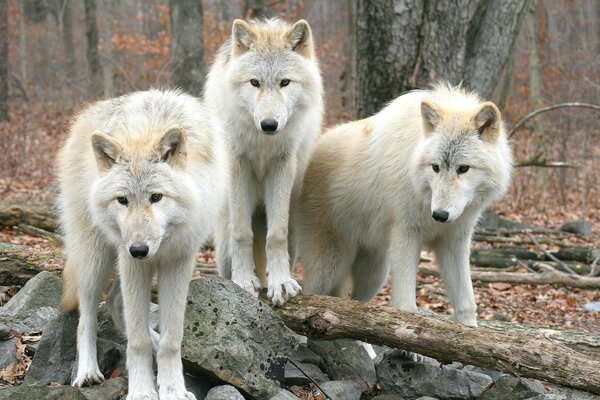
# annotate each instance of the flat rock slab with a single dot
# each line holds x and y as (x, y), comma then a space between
(513, 388)
(302, 374)
(112, 389)
(8, 352)
(233, 336)
(34, 305)
(342, 390)
(345, 359)
(411, 379)
(36, 391)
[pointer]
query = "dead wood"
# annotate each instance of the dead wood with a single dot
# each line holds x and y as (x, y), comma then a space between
(533, 354)
(39, 215)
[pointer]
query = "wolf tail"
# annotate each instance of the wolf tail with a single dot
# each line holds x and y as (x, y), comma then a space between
(70, 297)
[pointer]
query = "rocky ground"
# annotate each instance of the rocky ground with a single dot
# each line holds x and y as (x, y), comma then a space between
(233, 344)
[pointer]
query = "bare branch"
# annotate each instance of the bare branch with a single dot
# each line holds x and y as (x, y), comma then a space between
(550, 255)
(532, 114)
(545, 164)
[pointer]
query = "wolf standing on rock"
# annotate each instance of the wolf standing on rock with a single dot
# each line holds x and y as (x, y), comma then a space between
(142, 178)
(265, 85)
(417, 173)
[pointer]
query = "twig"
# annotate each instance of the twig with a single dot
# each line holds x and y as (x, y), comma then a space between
(311, 379)
(545, 164)
(550, 255)
(527, 267)
(594, 264)
(532, 114)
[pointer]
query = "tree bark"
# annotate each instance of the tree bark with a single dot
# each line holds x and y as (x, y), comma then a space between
(107, 63)
(256, 9)
(18, 264)
(4, 60)
(93, 56)
(187, 45)
(39, 215)
(529, 355)
(67, 36)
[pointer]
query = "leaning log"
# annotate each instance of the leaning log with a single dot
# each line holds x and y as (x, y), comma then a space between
(533, 356)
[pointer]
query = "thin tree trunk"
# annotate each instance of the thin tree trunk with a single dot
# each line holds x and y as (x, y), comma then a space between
(23, 43)
(4, 60)
(67, 36)
(349, 74)
(107, 66)
(256, 9)
(187, 45)
(92, 47)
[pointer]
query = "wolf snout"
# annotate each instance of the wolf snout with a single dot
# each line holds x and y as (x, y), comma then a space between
(268, 125)
(139, 250)
(440, 215)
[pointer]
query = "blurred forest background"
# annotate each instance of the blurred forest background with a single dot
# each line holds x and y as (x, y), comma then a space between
(56, 55)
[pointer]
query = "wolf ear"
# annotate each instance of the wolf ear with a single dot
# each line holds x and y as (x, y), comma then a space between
(430, 115)
(106, 150)
(299, 38)
(487, 121)
(172, 147)
(242, 36)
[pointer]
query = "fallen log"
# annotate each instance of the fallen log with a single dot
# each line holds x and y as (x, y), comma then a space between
(18, 263)
(40, 215)
(528, 355)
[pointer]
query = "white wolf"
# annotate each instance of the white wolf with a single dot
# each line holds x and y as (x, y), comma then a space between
(142, 178)
(417, 173)
(266, 87)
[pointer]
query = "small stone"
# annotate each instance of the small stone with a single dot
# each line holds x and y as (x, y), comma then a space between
(305, 355)
(5, 326)
(592, 307)
(30, 349)
(342, 390)
(112, 389)
(513, 388)
(8, 352)
(579, 227)
(284, 395)
(29, 391)
(298, 377)
(346, 359)
(225, 392)
(34, 305)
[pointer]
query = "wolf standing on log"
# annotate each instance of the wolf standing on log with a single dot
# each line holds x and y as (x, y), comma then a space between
(377, 190)
(142, 179)
(265, 85)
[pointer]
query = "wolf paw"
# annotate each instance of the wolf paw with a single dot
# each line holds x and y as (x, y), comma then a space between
(467, 318)
(408, 355)
(251, 285)
(280, 292)
(171, 393)
(149, 395)
(88, 378)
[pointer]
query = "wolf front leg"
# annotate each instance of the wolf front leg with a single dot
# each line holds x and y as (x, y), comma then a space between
(136, 278)
(173, 281)
(404, 251)
(452, 255)
(241, 205)
(278, 190)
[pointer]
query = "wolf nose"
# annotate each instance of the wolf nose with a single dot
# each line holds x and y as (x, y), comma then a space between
(139, 251)
(440, 215)
(268, 125)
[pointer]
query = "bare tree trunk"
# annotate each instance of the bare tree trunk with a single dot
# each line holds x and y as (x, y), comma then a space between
(92, 47)
(4, 60)
(349, 74)
(256, 9)
(23, 43)
(187, 45)
(67, 36)
(107, 66)
(492, 33)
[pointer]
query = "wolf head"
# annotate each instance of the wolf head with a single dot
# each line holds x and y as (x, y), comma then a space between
(465, 159)
(273, 66)
(141, 188)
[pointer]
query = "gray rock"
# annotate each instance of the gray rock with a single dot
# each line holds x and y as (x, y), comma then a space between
(394, 397)
(513, 388)
(5, 325)
(284, 395)
(563, 393)
(112, 389)
(31, 348)
(410, 379)
(342, 390)
(230, 334)
(305, 355)
(345, 359)
(491, 220)
(427, 398)
(34, 305)
(198, 386)
(55, 358)
(495, 375)
(294, 376)
(225, 392)
(8, 352)
(29, 391)
(579, 227)
(592, 307)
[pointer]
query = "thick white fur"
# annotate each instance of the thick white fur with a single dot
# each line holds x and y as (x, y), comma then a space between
(146, 142)
(370, 191)
(266, 169)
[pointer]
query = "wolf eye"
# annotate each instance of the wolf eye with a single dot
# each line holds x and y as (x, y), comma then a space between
(155, 197)
(123, 200)
(436, 168)
(254, 83)
(284, 82)
(462, 169)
